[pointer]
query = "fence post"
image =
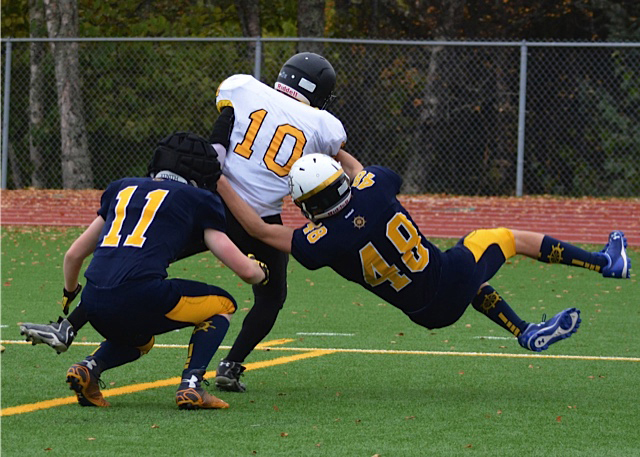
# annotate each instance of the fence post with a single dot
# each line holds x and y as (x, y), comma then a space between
(521, 117)
(5, 115)
(258, 59)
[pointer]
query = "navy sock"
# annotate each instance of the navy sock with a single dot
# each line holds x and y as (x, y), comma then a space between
(205, 341)
(110, 355)
(492, 305)
(555, 251)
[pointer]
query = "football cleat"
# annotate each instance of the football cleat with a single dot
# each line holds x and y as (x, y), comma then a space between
(228, 376)
(538, 337)
(191, 395)
(86, 385)
(59, 335)
(618, 264)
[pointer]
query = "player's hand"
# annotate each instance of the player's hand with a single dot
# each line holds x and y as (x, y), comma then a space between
(264, 267)
(68, 297)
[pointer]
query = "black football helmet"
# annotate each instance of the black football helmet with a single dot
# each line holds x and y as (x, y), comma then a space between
(309, 78)
(189, 156)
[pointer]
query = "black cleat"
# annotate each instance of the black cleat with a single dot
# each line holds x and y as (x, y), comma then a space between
(58, 335)
(228, 376)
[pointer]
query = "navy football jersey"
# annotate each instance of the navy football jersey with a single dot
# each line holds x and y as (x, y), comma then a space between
(147, 224)
(375, 243)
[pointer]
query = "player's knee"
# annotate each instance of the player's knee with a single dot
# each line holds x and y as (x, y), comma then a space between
(271, 298)
(147, 347)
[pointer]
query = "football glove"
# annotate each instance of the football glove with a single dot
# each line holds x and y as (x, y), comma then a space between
(68, 297)
(264, 268)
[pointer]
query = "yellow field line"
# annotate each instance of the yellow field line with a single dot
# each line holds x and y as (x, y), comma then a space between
(269, 346)
(21, 409)
(181, 346)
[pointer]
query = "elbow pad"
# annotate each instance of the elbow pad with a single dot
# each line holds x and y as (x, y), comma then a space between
(221, 133)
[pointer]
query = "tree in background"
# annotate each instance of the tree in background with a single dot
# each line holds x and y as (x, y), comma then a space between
(38, 51)
(428, 111)
(249, 16)
(311, 24)
(62, 22)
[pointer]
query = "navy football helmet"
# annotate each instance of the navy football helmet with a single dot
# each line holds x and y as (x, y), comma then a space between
(189, 156)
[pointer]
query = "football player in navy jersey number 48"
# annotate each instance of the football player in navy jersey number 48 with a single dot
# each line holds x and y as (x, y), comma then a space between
(360, 230)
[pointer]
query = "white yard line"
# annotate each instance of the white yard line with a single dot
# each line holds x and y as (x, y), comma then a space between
(494, 337)
(266, 347)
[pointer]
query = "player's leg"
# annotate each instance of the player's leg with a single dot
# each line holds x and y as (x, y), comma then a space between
(491, 248)
(209, 309)
(58, 335)
(84, 377)
(268, 301)
(133, 315)
(612, 261)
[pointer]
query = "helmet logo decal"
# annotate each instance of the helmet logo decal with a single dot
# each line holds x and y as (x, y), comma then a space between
(307, 85)
(291, 92)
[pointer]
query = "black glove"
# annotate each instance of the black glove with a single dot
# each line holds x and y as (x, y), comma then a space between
(68, 297)
(264, 268)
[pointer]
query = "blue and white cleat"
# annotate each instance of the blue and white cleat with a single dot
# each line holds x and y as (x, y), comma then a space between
(538, 337)
(615, 251)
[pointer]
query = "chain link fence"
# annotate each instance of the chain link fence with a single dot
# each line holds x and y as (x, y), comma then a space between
(458, 118)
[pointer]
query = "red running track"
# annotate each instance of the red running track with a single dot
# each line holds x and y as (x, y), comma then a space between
(581, 220)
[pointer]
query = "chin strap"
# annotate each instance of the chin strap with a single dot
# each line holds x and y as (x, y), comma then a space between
(166, 174)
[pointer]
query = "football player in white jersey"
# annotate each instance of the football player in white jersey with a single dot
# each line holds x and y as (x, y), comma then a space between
(260, 133)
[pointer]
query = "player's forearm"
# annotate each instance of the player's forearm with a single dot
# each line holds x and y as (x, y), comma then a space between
(248, 218)
(275, 235)
(223, 248)
(71, 269)
(81, 248)
(350, 164)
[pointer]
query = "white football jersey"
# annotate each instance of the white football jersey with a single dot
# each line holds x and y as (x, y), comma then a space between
(271, 131)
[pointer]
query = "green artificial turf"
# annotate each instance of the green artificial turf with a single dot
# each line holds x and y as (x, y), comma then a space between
(390, 388)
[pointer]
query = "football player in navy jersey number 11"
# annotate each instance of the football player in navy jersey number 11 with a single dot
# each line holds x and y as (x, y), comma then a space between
(142, 225)
(361, 230)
